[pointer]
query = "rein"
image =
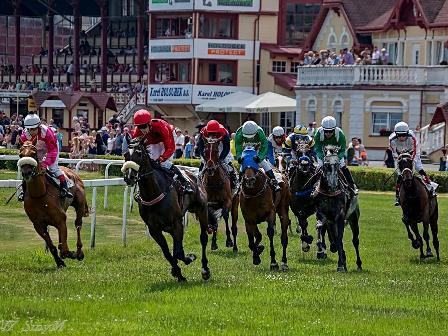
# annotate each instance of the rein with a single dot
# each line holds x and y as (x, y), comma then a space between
(257, 194)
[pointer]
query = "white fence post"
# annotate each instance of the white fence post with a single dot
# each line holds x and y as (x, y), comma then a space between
(93, 219)
(125, 210)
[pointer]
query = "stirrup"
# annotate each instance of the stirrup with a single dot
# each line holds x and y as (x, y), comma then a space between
(397, 202)
(21, 197)
(187, 188)
(65, 193)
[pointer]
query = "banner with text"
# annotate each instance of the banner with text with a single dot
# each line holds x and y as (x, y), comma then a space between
(228, 5)
(203, 93)
(170, 49)
(170, 5)
(169, 93)
(226, 49)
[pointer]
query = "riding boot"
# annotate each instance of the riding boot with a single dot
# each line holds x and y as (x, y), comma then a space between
(274, 181)
(21, 195)
(63, 189)
(348, 176)
(183, 181)
(397, 191)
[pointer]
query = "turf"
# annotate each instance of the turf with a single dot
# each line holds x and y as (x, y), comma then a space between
(120, 290)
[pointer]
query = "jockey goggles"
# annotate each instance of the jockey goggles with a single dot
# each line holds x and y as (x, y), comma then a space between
(142, 126)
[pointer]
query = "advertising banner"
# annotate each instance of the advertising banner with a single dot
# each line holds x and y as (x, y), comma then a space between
(170, 49)
(169, 93)
(203, 93)
(228, 5)
(226, 49)
(170, 5)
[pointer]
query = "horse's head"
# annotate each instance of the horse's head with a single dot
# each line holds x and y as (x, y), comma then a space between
(28, 162)
(408, 177)
(211, 153)
(249, 167)
(330, 168)
(405, 161)
(135, 160)
(304, 165)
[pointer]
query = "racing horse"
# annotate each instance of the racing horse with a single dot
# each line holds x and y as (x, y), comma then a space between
(258, 204)
(45, 207)
(335, 207)
(162, 206)
(302, 204)
(418, 206)
(217, 183)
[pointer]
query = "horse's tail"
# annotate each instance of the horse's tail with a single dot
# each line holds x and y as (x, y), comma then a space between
(212, 220)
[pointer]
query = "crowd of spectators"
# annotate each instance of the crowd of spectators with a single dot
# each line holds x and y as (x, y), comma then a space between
(347, 57)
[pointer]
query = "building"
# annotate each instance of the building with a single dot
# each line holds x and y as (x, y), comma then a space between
(201, 50)
(367, 100)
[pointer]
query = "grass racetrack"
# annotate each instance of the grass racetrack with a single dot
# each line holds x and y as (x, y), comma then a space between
(129, 291)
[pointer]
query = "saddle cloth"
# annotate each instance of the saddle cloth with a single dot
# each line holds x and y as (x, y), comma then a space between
(70, 183)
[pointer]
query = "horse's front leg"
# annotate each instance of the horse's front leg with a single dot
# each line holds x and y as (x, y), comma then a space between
(426, 238)
(418, 239)
(225, 215)
(64, 251)
(342, 265)
(234, 213)
(158, 236)
(270, 233)
(251, 230)
(321, 248)
(178, 248)
(203, 221)
(285, 222)
(306, 238)
(42, 231)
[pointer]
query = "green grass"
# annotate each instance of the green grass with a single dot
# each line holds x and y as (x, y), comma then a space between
(119, 291)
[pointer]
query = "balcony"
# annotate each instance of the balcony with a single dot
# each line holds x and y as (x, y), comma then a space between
(372, 75)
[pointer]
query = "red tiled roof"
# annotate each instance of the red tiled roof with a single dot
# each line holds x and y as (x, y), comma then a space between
(287, 81)
(101, 100)
(278, 50)
(441, 19)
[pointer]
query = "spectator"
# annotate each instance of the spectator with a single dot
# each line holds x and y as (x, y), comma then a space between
(126, 140)
(100, 146)
(351, 153)
(443, 159)
(362, 154)
(312, 129)
(179, 141)
(189, 148)
(118, 146)
(70, 71)
(376, 56)
(384, 57)
(110, 143)
(59, 136)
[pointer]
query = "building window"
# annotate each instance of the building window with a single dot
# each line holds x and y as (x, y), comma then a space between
(383, 122)
(171, 27)
(265, 122)
(279, 66)
(58, 117)
(218, 26)
(338, 111)
(298, 19)
(287, 121)
(311, 109)
(170, 71)
(217, 72)
(294, 67)
(82, 114)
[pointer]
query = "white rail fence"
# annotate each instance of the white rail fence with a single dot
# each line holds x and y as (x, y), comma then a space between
(432, 139)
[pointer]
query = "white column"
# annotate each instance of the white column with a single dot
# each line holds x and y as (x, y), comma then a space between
(414, 110)
(356, 117)
(298, 107)
(324, 110)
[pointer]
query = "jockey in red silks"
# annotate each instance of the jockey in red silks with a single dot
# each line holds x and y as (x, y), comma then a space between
(219, 133)
(46, 143)
(159, 137)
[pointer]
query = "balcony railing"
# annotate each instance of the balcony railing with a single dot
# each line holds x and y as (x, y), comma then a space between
(432, 139)
(372, 75)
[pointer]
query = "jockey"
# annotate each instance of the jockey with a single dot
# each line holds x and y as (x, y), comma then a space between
(217, 131)
(404, 140)
(300, 136)
(160, 141)
(275, 143)
(46, 143)
(329, 134)
(250, 134)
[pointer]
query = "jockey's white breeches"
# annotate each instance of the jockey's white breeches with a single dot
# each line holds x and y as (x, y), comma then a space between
(341, 163)
(266, 165)
(156, 150)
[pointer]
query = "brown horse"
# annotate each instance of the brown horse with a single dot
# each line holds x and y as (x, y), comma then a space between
(258, 205)
(219, 193)
(44, 206)
(418, 206)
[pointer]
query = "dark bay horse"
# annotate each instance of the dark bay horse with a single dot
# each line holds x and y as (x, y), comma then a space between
(219, 193)
(418, 206)
(258, 205)
(44, 206)
(335, 207)
(302, 204)
(162, 207)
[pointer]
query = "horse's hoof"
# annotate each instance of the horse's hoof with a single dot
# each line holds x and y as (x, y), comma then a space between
(229, 243)
(214, 246)
(274, 267)
(359, 268)
(305, 248)
(209, 230)
(80, 256)
(181, 279)
(308, 239)
(415, 244)
(285, 267)
(256, 260)
(260, 249)
(235, 249)
(321, 255)
(61, 265)
(429, 254)
(191, 257)
(298, 230)
(342, 269)
(205, 274)
(333, 248)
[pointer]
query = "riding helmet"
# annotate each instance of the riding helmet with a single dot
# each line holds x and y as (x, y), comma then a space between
(300, 129)
(250, 129)
(31, 120)
(213, 126)
(328, 123)
(278, 131)
(401, 128)
(142, 117)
